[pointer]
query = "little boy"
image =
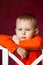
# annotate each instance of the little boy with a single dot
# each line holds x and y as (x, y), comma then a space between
(26, 38)
(27, 31)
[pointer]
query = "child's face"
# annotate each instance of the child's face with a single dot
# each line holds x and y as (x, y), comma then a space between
(24, 29)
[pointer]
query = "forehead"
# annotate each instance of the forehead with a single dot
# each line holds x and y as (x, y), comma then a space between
(24, 23)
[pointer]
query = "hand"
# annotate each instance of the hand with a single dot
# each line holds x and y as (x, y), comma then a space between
(15, 39)
(22, 52)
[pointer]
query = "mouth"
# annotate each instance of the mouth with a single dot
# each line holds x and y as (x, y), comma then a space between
(23, 38)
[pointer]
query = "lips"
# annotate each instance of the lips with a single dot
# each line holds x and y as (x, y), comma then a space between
(23, 37)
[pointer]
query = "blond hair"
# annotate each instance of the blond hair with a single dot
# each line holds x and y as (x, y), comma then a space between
(28, 17)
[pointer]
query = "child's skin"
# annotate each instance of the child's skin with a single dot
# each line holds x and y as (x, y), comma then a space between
(25, 29)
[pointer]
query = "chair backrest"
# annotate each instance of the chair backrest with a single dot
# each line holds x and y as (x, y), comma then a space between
(5, 54)
(40, 58)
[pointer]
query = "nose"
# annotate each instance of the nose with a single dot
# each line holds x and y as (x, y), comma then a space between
(23, 32)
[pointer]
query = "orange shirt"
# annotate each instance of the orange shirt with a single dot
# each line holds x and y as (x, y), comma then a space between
(31, 57)
(7, 42)
(33, 43)
(36, 42)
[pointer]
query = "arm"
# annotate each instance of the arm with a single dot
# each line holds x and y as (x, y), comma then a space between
(33, 43)
(22, 52)
(6, 41)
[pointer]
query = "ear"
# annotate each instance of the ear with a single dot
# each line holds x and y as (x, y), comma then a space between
(36, 31)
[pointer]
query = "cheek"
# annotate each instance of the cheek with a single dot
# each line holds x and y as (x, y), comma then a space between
(18, 33)
(29, 34)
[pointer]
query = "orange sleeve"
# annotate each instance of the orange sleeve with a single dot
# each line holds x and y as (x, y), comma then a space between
(33, 43)
(7, 42)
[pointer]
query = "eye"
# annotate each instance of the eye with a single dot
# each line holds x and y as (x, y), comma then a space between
(19, 29)
(27, 29)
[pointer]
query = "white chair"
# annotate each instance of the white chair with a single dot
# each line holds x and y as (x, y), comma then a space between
(5, 54)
